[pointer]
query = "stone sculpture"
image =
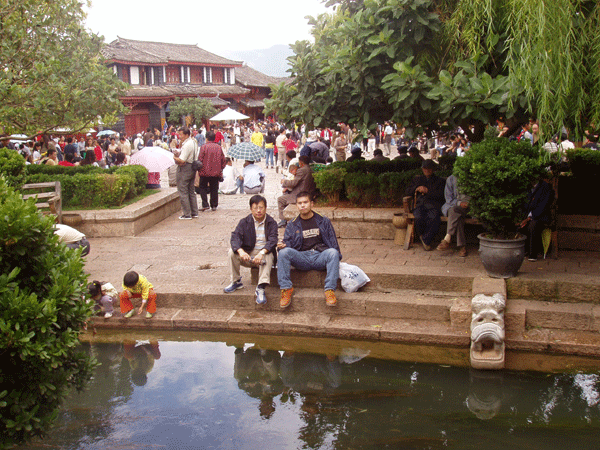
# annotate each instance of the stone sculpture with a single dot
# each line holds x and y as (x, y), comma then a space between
(487, 331)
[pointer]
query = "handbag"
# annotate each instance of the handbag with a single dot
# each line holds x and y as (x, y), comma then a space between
(196, 165)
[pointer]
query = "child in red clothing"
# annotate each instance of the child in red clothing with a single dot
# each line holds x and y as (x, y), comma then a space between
(137, 286)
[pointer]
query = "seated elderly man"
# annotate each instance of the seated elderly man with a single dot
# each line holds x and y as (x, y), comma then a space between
(456, 209)
(253, 244)
(302, 182)
(429, 191)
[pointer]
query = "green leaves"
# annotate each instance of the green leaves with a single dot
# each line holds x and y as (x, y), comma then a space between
(41, 312)
(497, 174)
(197, 108)
(69, 86)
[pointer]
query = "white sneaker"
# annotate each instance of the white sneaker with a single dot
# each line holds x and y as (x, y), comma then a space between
(108, 315)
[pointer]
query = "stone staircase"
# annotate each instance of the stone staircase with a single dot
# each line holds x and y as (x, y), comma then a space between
(393, 307)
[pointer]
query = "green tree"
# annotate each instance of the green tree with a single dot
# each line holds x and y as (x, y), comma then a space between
(42, 310)
(198, 108)
(424, 63)
(52, 73)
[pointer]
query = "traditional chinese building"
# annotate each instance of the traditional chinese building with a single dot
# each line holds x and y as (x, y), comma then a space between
(159, 72)
(258, 84)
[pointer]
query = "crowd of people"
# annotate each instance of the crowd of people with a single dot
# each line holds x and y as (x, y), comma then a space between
(203, 166)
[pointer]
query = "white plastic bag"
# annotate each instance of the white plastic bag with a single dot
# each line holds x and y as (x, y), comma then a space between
(353, 277)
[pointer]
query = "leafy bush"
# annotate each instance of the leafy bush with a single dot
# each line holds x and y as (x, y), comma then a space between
(331, 182)
(362, 188)
(497, 174)
(393, 184)
(97, 189)
(33, 169)
(42, 310)
(140, 175)
(12, 166)
(584, 163)
(114, 189)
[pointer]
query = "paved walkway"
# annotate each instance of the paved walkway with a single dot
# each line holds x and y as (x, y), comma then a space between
(190, 256)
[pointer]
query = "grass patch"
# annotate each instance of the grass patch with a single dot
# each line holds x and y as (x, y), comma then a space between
(146, 193)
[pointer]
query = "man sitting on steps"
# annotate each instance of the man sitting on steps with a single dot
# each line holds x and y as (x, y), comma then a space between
(253, 244)
(309, 243)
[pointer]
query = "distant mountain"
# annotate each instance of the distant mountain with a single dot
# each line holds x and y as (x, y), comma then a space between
(271, 61)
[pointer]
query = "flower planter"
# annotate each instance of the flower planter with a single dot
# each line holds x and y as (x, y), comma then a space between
(502, 258)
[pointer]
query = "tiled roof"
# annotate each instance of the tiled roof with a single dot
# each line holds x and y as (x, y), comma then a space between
(169, 90)
(161, 53)
(248, 76)
(252, 103)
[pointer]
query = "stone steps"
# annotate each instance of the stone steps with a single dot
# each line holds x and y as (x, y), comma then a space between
(395, 307)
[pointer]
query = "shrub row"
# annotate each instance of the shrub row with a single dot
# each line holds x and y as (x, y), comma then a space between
(93, 187)
(372, 183)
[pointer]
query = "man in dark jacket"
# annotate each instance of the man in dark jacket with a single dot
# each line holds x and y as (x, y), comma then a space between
(539, 216)
(309, 243)
(253, 244)
(429, 190)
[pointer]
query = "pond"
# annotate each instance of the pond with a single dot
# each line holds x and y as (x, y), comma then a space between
(233, 391)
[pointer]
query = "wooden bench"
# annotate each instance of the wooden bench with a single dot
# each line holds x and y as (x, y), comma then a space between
(48, 197)
(407, 205)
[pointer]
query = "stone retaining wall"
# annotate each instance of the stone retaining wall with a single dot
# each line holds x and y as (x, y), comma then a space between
(128, 221)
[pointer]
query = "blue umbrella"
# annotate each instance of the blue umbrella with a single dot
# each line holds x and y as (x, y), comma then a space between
(247, 151)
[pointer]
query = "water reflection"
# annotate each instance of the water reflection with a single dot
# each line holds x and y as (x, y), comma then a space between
(141, 357)
(211, 395)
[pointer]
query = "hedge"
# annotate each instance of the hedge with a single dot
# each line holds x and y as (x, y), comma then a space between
(584, 163)
(93, 187)
(372, 183)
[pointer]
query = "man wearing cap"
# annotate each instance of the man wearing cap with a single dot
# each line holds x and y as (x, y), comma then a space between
(428, 190)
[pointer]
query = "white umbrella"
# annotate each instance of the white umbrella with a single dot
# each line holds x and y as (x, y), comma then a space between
(155, 159)
(107, 132)
(229, 114)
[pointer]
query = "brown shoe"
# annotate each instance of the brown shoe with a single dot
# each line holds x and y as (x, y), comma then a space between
(444, 245)
(463, 252)
(330, 299)
(286, 297)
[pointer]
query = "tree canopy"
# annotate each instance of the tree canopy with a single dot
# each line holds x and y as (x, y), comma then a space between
(424, 63)
(51, 71)
(197, 108)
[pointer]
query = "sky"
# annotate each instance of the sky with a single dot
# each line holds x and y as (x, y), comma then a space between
(217, 26)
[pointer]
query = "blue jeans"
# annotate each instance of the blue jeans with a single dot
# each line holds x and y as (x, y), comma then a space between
(269, 154)
(308, 260)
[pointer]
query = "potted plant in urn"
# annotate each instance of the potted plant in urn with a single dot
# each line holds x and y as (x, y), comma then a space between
(498, 174)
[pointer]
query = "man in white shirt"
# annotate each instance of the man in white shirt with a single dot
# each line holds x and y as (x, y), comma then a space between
(185, 174)
(254, 178)
(232, 181)
(387, 140)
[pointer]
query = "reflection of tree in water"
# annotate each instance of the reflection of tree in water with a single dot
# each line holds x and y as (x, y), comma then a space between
(257, 373)
(87, 416)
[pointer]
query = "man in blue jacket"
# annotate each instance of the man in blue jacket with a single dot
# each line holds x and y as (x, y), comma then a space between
(309, 243)
(253, 244)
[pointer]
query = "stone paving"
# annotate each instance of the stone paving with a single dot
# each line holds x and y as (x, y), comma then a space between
(186, 255)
